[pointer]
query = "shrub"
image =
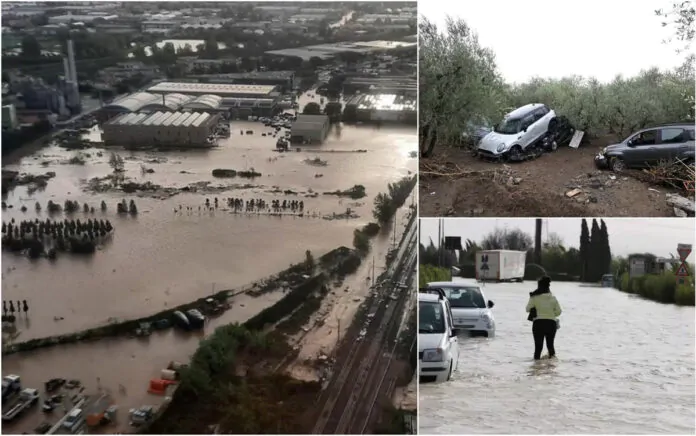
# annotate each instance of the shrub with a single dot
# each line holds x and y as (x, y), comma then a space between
(684, 295)
(430, 273)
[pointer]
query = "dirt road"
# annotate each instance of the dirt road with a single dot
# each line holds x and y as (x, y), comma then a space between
(455, 183)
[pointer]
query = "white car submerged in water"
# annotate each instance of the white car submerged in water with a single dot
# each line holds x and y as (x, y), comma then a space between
(438, 346)
(471, 312)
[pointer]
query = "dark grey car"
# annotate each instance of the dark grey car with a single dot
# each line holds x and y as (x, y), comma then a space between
(650, 146)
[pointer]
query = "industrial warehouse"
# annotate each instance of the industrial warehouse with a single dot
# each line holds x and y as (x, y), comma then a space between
(381, 108)
(309, 129)
(169, 129)
(240, 106)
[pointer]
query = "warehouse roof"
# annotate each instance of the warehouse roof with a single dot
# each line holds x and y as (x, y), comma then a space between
(211, 88)
(207, 100)
(175, 119)
(134, 102)
(170, 102)
(247, 102)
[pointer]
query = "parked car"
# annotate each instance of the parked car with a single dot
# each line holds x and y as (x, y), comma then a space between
(196, 318)
(471, 312)
(607, 281)
(646, 147)
(518, 130)
(438, 347)
(74, 420)
(475, 130)
(180, 320)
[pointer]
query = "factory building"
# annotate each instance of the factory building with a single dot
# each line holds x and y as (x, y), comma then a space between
(283, 80)
(381, 108)
(173, 129)
(204, 102)
(309, 129)
(222, 90)
(242, 108)
(381, 85)
(168, 102)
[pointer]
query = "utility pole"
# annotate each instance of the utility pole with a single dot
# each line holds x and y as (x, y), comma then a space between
(338, 338)
(373, 271)
(396, 221)
(537, 242)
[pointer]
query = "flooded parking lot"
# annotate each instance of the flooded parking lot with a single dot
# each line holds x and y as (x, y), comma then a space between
(161, 258)
(130, 363)
(618, 357)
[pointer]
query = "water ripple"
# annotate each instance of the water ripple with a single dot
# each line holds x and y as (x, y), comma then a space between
(625, 366)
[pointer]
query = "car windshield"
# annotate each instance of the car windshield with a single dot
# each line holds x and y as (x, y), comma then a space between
(465, 297)
(509, 126)
(431, 317)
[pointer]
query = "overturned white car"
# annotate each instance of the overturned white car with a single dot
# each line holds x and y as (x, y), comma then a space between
(518, 131)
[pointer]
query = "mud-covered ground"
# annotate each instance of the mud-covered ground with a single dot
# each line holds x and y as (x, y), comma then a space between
(455, 183)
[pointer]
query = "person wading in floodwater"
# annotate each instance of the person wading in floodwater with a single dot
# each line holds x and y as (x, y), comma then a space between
(544, 309)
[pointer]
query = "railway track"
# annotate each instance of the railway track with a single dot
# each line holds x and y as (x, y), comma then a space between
(346, 407)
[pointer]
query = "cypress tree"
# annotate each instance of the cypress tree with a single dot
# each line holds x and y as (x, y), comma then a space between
(584, 250)
(595, 254)
(606, 249)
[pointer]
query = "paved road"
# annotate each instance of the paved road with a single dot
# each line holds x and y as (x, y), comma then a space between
(362, 369)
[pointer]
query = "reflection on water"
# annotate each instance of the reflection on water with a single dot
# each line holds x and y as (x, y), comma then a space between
(617, 357)
(160, 259)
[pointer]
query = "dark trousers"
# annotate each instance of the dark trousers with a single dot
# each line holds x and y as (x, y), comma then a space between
(544, 329)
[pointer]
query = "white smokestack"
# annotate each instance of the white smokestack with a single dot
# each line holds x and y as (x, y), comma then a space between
(66, 70)
(71, 61)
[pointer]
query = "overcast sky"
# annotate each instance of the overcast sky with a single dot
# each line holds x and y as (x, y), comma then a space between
(659, 236)
(548, 38)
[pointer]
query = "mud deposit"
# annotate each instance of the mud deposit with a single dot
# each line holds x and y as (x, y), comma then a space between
(161, 258)
(454, 183)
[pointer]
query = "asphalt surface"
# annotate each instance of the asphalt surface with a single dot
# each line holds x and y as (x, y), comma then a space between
(362, 369)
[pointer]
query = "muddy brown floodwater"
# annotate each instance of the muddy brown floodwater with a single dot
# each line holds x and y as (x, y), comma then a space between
(128, 362)
(160, 258)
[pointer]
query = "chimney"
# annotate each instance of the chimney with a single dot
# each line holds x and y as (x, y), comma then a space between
(66, 69)
(71, 61)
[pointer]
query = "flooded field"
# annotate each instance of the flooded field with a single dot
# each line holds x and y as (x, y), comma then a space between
(163, 258)
(117, 361)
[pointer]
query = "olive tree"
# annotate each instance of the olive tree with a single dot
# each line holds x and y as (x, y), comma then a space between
(459, 82)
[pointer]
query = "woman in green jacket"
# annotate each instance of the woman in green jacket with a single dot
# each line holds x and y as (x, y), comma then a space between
(544, 310)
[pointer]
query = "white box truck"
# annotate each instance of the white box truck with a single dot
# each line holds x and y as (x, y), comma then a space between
(500, 265)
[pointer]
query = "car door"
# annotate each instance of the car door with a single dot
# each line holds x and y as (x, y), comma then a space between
(541, 122)
(641, 147)
(527, 130)
(453, 340)
(671, 144)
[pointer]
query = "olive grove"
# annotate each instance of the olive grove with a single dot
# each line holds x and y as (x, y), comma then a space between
(460, 86)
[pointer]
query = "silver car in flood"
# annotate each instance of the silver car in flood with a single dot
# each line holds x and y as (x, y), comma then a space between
(517, 131)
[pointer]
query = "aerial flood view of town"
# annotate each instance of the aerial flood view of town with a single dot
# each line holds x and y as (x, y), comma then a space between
(209, 217)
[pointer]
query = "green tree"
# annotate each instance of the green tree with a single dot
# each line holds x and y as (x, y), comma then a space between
(507, 239)
(312, 108)
(31, 47)
(584, 250)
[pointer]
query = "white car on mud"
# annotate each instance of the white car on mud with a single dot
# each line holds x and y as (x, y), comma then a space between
(471, 312)
(518, 130)
(438, 346)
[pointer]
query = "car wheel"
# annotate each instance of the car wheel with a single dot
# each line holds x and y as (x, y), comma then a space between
(515, 154)
(617, 164)
(449, 375)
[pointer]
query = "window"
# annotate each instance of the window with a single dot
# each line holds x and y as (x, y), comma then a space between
(672, 135)
(527, 121)
(691, 134)
(465, 297)
(508, 126)
(649, 137)
(540, 113)
(431, 318)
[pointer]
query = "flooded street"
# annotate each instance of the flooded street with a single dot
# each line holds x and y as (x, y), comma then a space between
(160, 258)
(625, 366)
(129, 362)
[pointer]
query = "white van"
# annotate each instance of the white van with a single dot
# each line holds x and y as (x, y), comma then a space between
(74, 420)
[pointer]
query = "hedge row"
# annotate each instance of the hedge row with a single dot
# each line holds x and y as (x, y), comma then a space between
(660, 287)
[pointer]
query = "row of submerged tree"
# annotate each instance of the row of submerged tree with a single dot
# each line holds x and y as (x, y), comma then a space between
(21, 306)
(72, 206)
(39, 238)
(254, 205)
